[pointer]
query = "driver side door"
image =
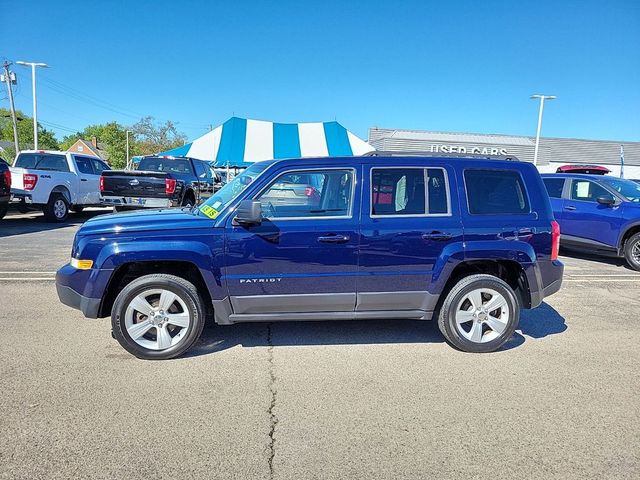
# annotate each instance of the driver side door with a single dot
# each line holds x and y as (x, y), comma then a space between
(303, 258)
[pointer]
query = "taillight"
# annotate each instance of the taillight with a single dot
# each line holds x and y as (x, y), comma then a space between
(29, 180)
(555, 240)
(310, 191)
(101, 183)
(7, 178)
(169, 185)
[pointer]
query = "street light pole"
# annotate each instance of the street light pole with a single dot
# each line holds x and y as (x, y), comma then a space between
(127, 134)
(542, 99)
(33, 66)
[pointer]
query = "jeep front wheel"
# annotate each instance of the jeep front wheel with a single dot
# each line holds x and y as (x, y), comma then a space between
(479, 314)
(157, 317)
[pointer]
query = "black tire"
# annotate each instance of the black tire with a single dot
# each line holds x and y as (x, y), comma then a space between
(77, 209)
(22, 207)
(185, 290)
(447, 314)
(3, 210)
(188, 200)
(57, 210)
(632, 251)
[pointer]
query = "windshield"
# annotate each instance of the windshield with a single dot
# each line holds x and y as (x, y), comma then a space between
(212, 207)
(628, 189)
(173, 165)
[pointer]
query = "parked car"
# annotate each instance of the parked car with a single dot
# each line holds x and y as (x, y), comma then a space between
(597, 213)
(5, 187)
(56, 182)
(159, 182)
(589, 169)
(465, 241)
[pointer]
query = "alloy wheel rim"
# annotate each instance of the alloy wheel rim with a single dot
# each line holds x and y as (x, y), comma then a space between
(59, 208)
(157, 319)
(635, 252)
(482, 315)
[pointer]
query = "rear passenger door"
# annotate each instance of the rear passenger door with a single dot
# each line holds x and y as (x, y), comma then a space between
(88, 181)
(408, 218)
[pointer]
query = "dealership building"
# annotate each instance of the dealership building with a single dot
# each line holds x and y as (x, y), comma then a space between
(552, 152)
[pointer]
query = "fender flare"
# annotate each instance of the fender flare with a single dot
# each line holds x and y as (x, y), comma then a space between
(63, 190)
(624, 231)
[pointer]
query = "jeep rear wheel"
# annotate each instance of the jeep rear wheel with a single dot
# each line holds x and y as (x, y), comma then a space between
(157, 317)
(632, 251)
(479, 314)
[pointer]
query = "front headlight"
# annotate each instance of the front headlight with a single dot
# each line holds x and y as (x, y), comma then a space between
(81, 264)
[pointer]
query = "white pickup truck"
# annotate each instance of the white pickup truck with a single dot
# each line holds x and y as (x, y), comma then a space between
(56, 182)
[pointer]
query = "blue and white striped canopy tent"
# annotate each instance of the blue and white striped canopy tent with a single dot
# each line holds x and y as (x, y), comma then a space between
(239, 142)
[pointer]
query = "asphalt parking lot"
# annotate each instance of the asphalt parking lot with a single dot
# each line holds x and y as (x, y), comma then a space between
(369, 399)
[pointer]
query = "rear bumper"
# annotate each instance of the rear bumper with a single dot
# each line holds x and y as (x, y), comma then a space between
(21, 196)
(549, 281)
(139, 202)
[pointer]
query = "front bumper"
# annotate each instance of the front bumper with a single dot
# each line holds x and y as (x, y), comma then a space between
(139, 202)
(88, 306)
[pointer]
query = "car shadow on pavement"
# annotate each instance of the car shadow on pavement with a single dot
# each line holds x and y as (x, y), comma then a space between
(538, 323)
(34, 222)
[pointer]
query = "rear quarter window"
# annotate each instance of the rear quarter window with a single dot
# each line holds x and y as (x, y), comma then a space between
(495, 192)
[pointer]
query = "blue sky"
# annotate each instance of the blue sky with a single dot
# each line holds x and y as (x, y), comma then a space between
(445, 65)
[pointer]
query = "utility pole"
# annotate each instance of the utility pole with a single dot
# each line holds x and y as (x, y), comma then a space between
(33, 66)
(9, 81)
(127, 134)
(542, 99)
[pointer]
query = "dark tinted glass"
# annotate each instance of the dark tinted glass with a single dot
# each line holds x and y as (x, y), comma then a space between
(201, 169)
(42, 161)
(159, 164)
(437, 191)
(554, 186)
(99, 166)
(495, 192)
(397, 191)
(84, 165)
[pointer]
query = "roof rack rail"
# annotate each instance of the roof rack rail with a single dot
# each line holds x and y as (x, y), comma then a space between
(478, 156)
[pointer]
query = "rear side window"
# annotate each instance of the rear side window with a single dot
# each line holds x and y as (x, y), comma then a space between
(494, 192)
(42, 161)
(554, 186)
(84, 165)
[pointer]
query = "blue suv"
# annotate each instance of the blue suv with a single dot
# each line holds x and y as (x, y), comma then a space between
(597, 213)
(468, 242)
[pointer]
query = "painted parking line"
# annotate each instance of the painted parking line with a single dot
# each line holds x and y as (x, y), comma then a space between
(27, 279)
(27, 273)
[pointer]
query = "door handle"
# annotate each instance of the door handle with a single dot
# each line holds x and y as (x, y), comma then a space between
(570, 207)
(438, 236)
(334, 239)
(83, 179)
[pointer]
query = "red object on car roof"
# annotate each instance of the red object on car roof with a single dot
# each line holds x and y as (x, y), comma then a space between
(593, 169)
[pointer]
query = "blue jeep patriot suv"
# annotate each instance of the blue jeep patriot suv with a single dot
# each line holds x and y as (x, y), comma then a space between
(598, 213)
(468, 242)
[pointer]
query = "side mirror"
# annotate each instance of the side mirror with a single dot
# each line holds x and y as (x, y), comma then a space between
(248, 212)
(606, 200)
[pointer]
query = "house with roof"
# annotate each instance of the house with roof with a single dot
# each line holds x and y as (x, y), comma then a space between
(92, 147)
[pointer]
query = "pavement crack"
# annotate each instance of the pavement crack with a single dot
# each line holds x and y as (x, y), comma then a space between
(273, 419)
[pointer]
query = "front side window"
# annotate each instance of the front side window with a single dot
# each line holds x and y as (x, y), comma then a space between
(495, 192)
(99, 166)
(201, 170)
(554, 186)
(309, 193)
(587, 191)
(84, 165)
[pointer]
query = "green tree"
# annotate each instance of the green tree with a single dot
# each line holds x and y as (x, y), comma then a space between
(46, 138)
(151, 138)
